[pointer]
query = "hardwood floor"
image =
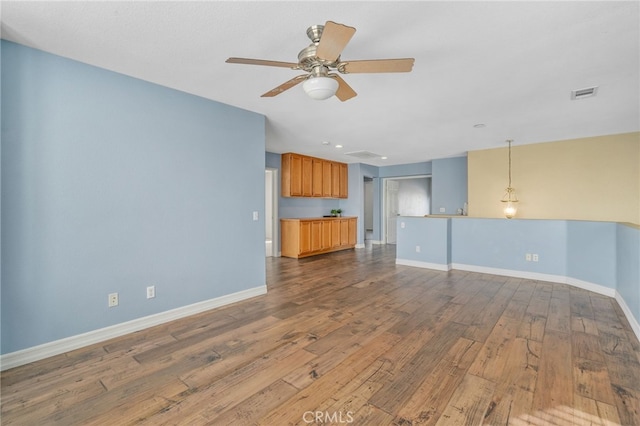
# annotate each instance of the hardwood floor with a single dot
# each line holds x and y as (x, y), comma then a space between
(352, 338)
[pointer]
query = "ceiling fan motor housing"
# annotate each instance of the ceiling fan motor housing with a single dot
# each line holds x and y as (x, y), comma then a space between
(307, 58)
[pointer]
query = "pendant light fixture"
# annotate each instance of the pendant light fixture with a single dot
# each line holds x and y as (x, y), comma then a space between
(510, 199)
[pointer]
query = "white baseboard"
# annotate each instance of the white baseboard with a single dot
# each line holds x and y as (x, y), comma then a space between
(627, 312)
(35, 353)
(560, 279)
(359, 246)
(376, 241)
(420, 264)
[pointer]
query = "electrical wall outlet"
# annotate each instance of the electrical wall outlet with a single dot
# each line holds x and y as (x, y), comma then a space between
(535, 257)
(255, 216)
(417, 249)
(527, 257)
(402, 225)
(113, 300)
(151, 292)
(442, 210)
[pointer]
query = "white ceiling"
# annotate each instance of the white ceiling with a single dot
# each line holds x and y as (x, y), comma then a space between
(508, 65)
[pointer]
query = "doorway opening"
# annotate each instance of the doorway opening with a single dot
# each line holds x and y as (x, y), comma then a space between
(404, 196)
(271, 212)
(368, 210)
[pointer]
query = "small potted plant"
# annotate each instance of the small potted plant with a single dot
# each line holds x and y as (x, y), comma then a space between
(338, 212)
(334, 212)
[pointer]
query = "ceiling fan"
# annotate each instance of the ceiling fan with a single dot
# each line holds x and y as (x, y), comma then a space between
(322, 58)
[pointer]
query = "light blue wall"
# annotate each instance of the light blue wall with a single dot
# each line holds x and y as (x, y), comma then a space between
(354, 204)
(628, 266)
(502, 243)
(448, 185)
(591, 252)
(414, 169)
(433, 236)
(111, 184)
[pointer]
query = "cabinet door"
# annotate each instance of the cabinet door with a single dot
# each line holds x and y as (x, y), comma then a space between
(335, 180)
(326, 234)
(295, 175)
(307, 177)
(344, 232)
(335, 233)
(316, 235)
(326, 178)
(344, 181)
(305, 237)
(353, 231)
(317, 177)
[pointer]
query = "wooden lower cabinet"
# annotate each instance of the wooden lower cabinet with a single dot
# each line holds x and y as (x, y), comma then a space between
(308, 237)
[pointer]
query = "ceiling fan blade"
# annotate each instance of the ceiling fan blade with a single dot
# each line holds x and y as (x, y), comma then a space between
(376, 65)
(334, 39)
(261, 62)
(344, 92)
(285, 86)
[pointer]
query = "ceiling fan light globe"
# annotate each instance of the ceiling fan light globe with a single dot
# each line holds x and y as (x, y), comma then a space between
(320, 88)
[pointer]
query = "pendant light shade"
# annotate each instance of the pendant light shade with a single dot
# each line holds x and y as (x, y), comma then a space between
(510, 199)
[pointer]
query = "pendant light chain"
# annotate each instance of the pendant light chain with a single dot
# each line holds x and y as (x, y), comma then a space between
(510, 162)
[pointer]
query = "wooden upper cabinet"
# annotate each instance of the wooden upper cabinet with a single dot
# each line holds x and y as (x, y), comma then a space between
(326, 179)
(344, 181)
(304, 176)
(317, 177)
(307, 177)
(291, 165)
(335, 180)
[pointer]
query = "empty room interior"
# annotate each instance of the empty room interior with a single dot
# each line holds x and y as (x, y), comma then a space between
(273, 213)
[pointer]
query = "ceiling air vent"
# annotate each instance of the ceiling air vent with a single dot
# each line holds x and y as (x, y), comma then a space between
(363, 154)
(584, 93)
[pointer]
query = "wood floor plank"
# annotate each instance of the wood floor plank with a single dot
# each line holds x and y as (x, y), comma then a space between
(555, 374)
(559, 317)
(496, 351)
(353, 334)
(591, 380)
(470, 402)
(404, 384)
(320, 390)
(582, 317)
(430, 399)
(590, 412)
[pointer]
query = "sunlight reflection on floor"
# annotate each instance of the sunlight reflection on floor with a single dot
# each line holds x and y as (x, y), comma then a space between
(560, 416)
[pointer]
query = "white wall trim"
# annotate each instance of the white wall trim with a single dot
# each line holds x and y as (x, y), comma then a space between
(596, 288)
(360, 246)
(635, 326)
(35, 353)
(560, 279)
(376, 241)
(426, 265)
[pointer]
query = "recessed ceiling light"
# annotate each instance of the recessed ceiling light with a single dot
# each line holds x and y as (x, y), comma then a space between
(326, 143)
(338, 146)
(479, 125)
(383, 158)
